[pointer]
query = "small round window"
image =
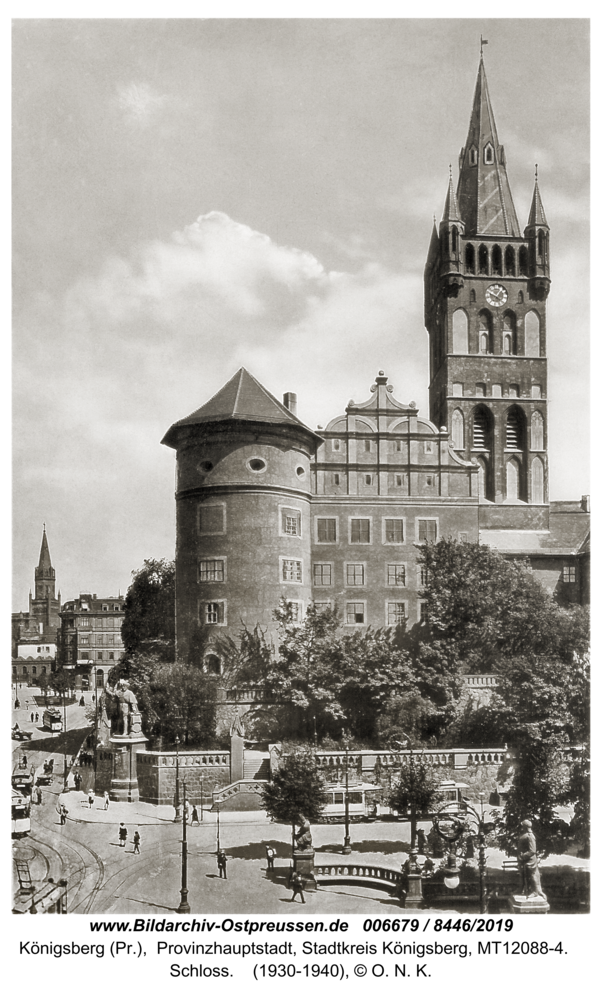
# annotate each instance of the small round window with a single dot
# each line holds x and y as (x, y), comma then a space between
(205, 466)
(301, 472)
(256, 465)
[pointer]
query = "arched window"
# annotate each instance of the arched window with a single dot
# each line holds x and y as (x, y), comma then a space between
(213, 664)
(473, 295)
(454, 239)
(482, 425)
(532, 344)
(515, 429)
(469, 258)
(523, 261)
(509, 333)
(510, 260)
(496, 260)
(488, 153)
(483, 260)
(512, 479)
(100, 678)
(459, 332)
(485, 331)
(537, 490)
(537, 432)
(521, 298)
(457, 430)
(541, 244)
(473, 156)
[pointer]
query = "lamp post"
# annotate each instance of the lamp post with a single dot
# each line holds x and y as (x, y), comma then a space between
(177, 816)
(17, 702)
(408, 743)
(315, 735)
(218, 846)
(201, 800)
(451, 822)
(347, 841)
(184, 906)
(65, 771)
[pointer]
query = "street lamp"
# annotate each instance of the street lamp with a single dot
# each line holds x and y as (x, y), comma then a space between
(65, 772)
(451, 822)
(184, 906)
(408, 744)
(17, 702)
(347, 841)
(201, 800)
(218, 847)
(177, 816)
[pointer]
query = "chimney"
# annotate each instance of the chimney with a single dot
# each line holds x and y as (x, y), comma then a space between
(585, 503)
(290, 401)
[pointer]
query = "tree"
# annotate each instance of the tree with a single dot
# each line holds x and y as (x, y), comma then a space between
(296, 789)
(320, 674)
(415, 790)
(149, 623)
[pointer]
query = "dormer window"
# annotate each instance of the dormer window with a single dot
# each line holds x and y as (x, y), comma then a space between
(473, 156)
(488, 153)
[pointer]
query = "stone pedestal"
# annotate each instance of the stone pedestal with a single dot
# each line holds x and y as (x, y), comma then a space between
(124, 779)
(414, 899)
(529, 904)
(303, 862)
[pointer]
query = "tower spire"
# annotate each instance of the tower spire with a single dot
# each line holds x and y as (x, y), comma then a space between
(45, 562)
(537, 216)
(451, 212)
(484, 196)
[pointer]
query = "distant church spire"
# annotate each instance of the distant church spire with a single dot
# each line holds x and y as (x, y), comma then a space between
(44, 572)
(537, 216)
(484, 197)
(45, 561)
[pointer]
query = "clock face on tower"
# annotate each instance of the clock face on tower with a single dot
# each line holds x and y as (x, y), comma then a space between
(496, 295)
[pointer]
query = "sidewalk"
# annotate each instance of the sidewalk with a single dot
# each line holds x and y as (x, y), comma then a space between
(144, 813)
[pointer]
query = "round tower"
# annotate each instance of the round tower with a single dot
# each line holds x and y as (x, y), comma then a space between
(242, 516)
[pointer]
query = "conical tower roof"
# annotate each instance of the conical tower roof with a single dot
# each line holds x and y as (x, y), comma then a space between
(451, 212)
(241, 399)
(537, 216)
(484, 197)
(44, 564)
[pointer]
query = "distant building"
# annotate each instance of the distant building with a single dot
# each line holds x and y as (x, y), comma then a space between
(269, 509)
(34, 632)
(90, 638)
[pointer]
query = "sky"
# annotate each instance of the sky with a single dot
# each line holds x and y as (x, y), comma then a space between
(190, 196)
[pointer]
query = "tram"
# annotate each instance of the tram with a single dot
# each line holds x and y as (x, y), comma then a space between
(362, 804)
(20, 814)
(22, 779)
(53, 720)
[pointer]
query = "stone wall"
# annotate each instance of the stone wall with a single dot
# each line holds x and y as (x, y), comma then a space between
(206, 769)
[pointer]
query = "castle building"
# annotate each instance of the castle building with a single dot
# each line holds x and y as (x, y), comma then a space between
(269, 509)
(34, 632)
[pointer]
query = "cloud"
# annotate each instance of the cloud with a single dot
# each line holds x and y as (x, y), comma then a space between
(139, 103)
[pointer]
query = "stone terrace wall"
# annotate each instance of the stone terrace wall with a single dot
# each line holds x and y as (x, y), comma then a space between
(157, 775)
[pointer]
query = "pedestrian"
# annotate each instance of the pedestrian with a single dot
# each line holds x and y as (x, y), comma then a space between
(195, 816)
(107, 800)
(421, 841)
(90, 798)
(32, 716)
(297, 886)
(187, 810)
(136, 842)
(221, 864)
(63, 813)
(39, 795)
(270, 854)
(37, 717)
(123, 834)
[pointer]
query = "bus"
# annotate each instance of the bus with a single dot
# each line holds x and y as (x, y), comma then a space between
(20, 814)
(53, 720)
(362, 803)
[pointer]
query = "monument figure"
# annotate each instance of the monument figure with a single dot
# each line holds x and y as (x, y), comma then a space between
(527, 859)
(303, 841)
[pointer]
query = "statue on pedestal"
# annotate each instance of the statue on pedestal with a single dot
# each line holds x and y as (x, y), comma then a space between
(527, 859)
(303, 840)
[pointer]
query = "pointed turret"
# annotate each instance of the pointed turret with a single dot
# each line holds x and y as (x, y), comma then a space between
(45, 563)
(451, 213)
(537, 216)
(484, 197)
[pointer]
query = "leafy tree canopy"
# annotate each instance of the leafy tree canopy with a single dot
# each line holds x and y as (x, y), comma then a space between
(296, 789)
(149, 624)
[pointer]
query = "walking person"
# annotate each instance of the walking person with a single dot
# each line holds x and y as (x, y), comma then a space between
(297, 886)
(123, 834)
(136, 842)
(270, 854)
(37, 717)
(32, 716)
(221, 864)
(90, 798)
(195, 816)
(107, 799)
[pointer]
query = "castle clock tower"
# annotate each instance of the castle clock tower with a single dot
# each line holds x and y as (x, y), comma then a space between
(486, 287)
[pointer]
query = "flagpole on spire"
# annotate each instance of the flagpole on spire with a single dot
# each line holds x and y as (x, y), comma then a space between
(535, 171)
(484, 41)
